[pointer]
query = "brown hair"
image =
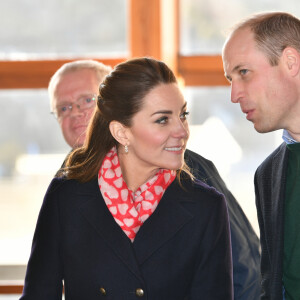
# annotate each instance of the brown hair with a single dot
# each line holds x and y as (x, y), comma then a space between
(273, 32)
(120, 98)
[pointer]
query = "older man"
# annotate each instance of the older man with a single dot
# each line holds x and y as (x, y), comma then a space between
(73, 90)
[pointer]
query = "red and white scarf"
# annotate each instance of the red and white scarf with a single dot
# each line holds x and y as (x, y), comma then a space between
(130, 209)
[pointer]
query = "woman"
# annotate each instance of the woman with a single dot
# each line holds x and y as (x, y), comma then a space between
(127, 219)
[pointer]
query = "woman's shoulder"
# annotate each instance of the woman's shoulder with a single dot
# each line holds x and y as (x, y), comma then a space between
(64, 185)
(200, 185)
(197, 191)
(198, 198)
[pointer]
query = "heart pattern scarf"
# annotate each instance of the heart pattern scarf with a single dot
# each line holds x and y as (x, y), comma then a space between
(130, 209)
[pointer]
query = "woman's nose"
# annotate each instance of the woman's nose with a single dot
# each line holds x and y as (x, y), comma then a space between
(181, 129)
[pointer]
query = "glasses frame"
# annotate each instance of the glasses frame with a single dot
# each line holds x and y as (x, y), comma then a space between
(78, 103)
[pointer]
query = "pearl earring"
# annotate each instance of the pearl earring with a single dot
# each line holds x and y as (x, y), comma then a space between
(126, 148)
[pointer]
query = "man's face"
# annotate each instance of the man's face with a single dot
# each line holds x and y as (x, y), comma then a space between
(265, 93)
(70, 88)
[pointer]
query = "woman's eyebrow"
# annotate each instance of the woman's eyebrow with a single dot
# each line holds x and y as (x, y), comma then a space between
(168, 112)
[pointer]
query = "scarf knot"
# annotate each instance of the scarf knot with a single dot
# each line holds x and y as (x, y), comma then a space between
(130, 209)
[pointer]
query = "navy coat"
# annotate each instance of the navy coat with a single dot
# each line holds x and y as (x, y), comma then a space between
(244, 241)
(270, 182)
(182, 251)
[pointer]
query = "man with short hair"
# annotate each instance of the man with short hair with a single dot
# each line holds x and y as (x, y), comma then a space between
(67, 87)
(73, 91)
(261, 60)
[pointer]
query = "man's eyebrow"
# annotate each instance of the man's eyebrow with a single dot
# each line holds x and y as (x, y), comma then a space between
(228, 77)
(235, 69)
(64, 104)
(168, 112)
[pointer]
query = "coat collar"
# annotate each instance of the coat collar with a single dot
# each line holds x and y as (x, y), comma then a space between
(279, 168)
(168, 218)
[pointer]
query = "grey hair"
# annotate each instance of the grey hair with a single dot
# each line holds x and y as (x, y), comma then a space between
(100, 69)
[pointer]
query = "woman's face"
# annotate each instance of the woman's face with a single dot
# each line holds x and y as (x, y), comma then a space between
(159, 131)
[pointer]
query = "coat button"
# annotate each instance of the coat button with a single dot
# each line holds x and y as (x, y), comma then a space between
(139, 292)
(103, 291)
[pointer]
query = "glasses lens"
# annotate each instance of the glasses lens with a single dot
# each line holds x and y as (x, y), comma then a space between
(84, 102)
(87, 101)
(63, 111)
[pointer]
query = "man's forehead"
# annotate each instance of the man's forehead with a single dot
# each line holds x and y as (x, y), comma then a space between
(239, 40)
(237, 47)
(76, 84)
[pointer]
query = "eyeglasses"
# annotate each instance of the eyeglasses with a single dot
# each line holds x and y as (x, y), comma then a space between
(84, 102)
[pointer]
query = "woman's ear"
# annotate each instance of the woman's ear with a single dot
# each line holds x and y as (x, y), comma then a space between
(291, 58)
(119, 132)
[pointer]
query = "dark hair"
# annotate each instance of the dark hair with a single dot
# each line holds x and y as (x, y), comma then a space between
(273, 32)
(120, 98)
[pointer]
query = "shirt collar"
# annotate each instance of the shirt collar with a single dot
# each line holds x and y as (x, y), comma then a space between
(287, 137)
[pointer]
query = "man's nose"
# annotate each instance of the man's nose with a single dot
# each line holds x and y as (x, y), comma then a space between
(236, 92)
(76, 110)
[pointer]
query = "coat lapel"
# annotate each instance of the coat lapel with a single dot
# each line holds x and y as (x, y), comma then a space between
(279, 166)
(98, 216)
(168, 218)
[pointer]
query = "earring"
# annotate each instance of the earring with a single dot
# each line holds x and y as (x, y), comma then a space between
(126, 148)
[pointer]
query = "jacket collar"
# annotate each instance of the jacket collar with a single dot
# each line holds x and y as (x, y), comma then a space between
(168, 218)
(279, 168)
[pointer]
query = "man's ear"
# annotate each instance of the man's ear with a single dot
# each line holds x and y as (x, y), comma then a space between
(291, 59)
(119, 132)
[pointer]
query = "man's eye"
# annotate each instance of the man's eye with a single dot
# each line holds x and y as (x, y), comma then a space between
(63, 109)
(88, 100)
(243, 71)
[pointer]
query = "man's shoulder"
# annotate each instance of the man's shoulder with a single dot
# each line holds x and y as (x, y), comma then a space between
(201, 167)
(265, 166)
(194, 157)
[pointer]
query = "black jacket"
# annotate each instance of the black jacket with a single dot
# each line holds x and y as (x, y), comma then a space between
(182, 251)
(270, 182)
(245, 243)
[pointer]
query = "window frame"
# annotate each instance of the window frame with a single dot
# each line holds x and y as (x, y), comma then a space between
(153, 31)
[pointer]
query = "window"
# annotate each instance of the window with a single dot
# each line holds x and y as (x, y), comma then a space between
(62, 28)
(31, 150)
(220, 132)
(204, 24)
(31, 145)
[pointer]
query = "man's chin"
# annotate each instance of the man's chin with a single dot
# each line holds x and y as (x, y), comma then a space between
(79, 143)
(79, 137)
(75, 142)
(263, 129)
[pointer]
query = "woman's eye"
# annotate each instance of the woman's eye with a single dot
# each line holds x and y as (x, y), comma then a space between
(162, 120)
(184, 115)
